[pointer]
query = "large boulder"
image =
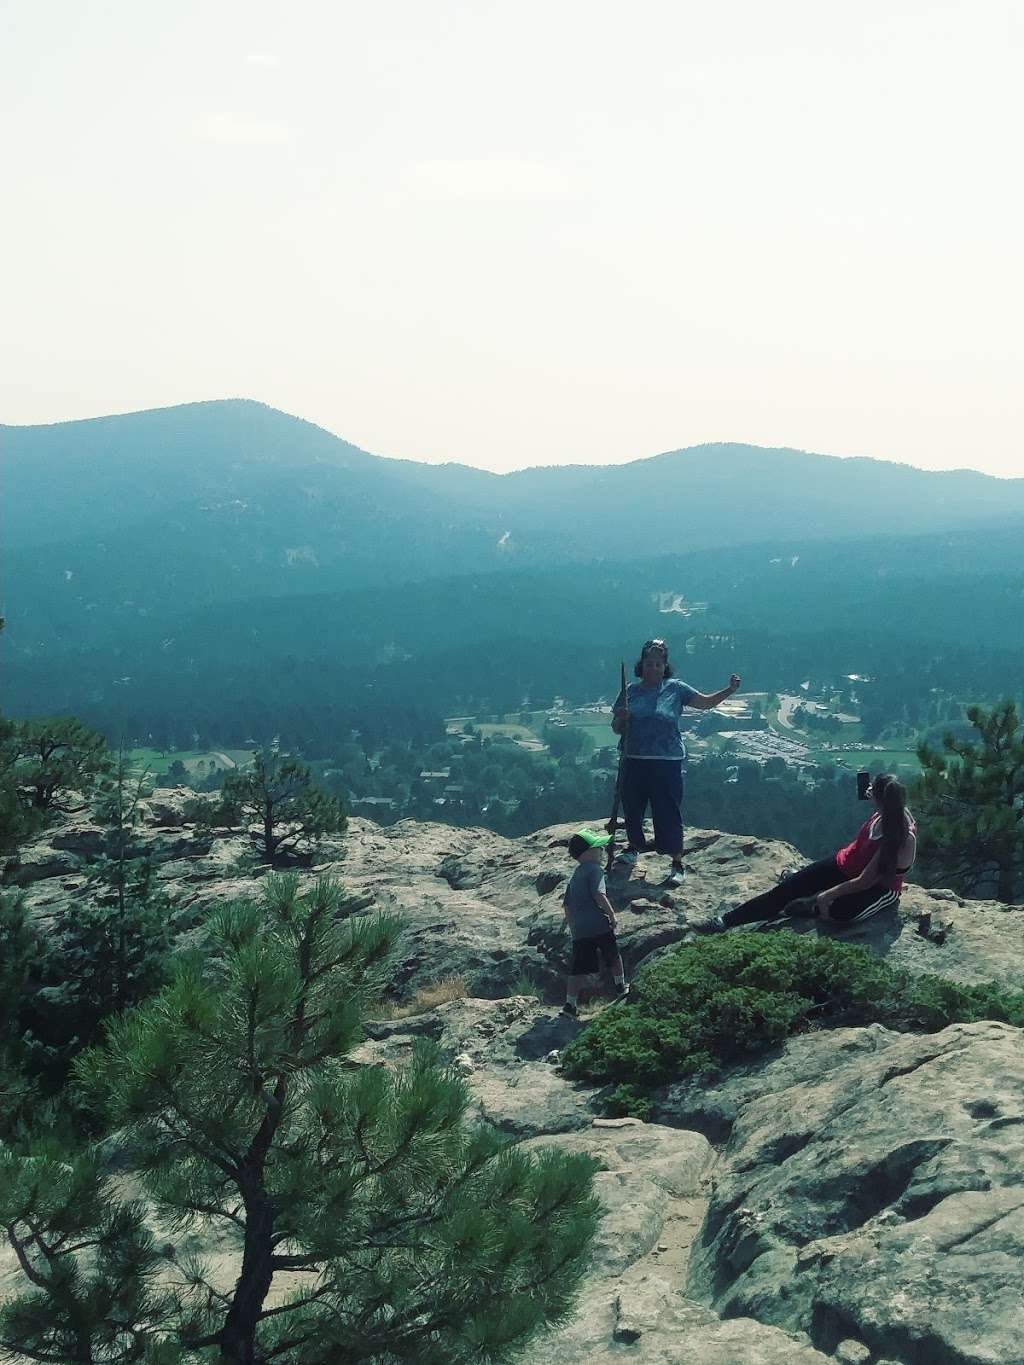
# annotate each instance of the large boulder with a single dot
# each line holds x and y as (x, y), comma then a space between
(166, 807)
(871, 1190)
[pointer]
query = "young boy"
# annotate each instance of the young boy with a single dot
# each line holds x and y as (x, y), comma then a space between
(591, 919)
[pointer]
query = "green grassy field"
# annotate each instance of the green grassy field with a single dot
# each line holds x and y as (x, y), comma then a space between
(159, 763)
(597, 728)
(874, 760)
(487, 729)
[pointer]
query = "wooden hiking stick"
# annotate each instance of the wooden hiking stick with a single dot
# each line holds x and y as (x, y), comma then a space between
(613, 823)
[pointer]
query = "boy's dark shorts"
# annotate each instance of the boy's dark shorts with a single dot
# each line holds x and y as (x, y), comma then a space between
(585, 953)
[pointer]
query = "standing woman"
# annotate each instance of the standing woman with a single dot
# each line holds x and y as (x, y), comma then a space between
(648, 718)
(857, 882)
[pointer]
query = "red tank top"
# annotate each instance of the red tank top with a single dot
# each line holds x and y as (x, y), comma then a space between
(854, 858)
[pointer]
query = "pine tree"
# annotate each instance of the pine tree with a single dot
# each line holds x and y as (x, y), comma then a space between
(58, 759)
(21, 946)
(123, 879)
(374, 1223)
(19, 820)
(970, 800)
(289, 810)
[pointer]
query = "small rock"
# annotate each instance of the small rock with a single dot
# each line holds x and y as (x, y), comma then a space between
(852, 1352)
(618, 1123)
(464, 1063)
(553, 1055)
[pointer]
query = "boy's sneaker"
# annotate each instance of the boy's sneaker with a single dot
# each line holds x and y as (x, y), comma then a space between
(715, 925)
(675, 876)
(626, 860)
(570, 1009)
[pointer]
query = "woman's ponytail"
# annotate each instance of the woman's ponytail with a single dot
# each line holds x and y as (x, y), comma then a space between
(891, 796)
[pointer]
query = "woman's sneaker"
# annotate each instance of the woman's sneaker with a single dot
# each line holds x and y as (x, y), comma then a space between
(626, 860)
(675, 876)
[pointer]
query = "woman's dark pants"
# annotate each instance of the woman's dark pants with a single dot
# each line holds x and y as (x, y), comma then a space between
(659, 783)
(809, 881)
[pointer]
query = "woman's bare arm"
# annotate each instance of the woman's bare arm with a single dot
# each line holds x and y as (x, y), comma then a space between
(860, 883)
(707, 701)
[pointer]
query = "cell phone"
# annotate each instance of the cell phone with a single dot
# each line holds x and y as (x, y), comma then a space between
(863, 786)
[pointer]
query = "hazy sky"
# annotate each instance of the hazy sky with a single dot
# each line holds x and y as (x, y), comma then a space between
(524, 233)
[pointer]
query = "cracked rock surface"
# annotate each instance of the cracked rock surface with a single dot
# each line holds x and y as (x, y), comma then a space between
(871, 1191)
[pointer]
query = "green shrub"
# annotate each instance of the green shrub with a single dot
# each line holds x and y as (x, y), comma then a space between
(629, 1101)
(721, 999)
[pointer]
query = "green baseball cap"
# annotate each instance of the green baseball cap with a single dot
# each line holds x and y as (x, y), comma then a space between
(587, 838)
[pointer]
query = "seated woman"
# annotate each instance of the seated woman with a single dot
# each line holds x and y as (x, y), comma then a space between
(857, 882)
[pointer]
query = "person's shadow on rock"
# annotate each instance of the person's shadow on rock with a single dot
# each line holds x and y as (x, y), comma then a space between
(546, 1035)
(878, 933)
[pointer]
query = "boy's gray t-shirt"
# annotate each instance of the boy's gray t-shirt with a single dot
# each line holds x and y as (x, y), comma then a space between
(586, 918)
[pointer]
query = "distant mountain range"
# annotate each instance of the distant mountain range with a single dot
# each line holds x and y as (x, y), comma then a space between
(224, 565)
(221, 502)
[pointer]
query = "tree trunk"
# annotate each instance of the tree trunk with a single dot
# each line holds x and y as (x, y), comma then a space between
(1007, 881)
(238, 1336)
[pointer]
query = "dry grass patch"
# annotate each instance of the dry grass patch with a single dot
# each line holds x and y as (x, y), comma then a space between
(429, 997)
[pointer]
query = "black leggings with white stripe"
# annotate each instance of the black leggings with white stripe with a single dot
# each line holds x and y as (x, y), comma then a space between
(808, 882)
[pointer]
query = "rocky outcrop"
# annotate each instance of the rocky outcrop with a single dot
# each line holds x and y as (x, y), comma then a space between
(871, 1189)
(488, 909)
(653, 1182)
(856, 1197)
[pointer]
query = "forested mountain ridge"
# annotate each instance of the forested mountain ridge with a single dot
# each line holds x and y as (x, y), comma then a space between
(775, 613)
(231, 499)
(158, 564)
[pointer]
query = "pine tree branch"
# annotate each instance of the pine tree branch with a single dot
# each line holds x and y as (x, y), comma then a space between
(211, 1210)
(79, 1246)
(17, 1350)
(290, 1343)
(49, 1252)
(315, 1297)
(227, 1164)
(31, 1273)
(198, 1281)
